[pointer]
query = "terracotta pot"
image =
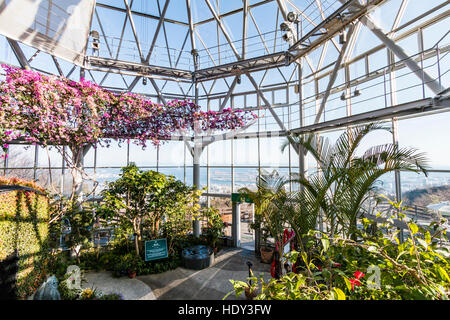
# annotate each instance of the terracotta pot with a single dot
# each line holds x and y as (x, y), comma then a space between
(250, 295)
(266, 254)
(132, 274)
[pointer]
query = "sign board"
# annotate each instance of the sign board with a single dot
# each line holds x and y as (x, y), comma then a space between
(237, 197)
(156, 249)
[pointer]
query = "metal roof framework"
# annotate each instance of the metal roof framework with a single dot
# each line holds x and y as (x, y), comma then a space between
(315, 55)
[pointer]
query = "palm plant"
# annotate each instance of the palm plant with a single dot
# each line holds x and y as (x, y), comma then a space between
(269, 199)
(345, 181)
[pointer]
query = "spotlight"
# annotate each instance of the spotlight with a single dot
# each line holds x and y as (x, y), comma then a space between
(95, 35)
(238, 80)
(343, 97)
(357, 92)
(292, 16)
(95, 42)
(287, 37)
(285, 26)
(144, 81)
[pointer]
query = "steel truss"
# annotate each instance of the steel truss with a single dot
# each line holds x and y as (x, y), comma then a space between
(349, 15)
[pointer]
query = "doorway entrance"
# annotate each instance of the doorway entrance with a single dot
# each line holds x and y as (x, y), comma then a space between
(247, 234)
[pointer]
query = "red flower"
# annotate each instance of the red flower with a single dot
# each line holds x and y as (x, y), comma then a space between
(358, 275)
(354, 282)
(319, 267)
(336, 265)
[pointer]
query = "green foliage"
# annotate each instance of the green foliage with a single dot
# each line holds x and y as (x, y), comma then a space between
(24, 228)
(270, 201)
(111, 296)
(345, 181)
(131, 262)
(143, 200)
(80, 221)
(375, 267)
(215, 226)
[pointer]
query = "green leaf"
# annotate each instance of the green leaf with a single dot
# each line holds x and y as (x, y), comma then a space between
(443, 273)
(423, 243)
(348, 284)
(305, 257)
(325, 244)
(339, 294)
(428, 237)
(414, 228)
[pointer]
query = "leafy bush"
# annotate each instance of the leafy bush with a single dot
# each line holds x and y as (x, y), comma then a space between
(24, 220)
(375, 266)
(66, 292)
(143, 201)
(111, 296)
(215, 226)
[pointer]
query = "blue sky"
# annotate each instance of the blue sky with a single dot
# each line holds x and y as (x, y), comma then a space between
(428, 134)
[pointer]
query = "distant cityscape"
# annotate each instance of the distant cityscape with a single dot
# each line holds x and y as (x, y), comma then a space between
(220, 178)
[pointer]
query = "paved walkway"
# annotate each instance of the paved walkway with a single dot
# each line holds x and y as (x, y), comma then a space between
(131, 289)
(212, 283)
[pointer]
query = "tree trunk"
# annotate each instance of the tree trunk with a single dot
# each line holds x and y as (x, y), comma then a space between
(76, 171)
(136, 229)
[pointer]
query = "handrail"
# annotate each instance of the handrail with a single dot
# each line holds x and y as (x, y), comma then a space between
(9, 188)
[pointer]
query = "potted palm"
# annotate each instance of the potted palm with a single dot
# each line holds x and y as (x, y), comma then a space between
(265, 249)
(339, 192)
(270, 200)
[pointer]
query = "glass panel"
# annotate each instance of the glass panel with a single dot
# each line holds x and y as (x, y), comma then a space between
(245, 177)
(220, 180)
(20, 156)
(419, 192)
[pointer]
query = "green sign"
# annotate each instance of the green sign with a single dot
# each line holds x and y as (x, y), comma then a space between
(156, 249)
(237, 197)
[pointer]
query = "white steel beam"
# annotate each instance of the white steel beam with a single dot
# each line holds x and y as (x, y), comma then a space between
(133, 28)
(224, 31)
(333, 76)
(398, 51)
(158, 27)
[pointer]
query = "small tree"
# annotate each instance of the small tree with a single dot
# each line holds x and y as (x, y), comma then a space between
(81, 222)
(143, 199)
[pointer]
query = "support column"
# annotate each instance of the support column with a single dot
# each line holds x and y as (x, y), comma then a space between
(393, 91)
(236, 224)
(301, 152)
(196, 177)
(197, 149)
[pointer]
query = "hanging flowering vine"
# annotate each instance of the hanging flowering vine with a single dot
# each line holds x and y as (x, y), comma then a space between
(50, 110)
(55, 111)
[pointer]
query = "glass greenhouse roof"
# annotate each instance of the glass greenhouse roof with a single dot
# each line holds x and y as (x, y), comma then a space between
(339, 63)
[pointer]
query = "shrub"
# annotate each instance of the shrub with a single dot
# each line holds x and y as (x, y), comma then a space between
(24, 227)
(374, 266)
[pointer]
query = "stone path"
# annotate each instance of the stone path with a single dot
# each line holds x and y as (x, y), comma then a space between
(212, 283)
(131, 289)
